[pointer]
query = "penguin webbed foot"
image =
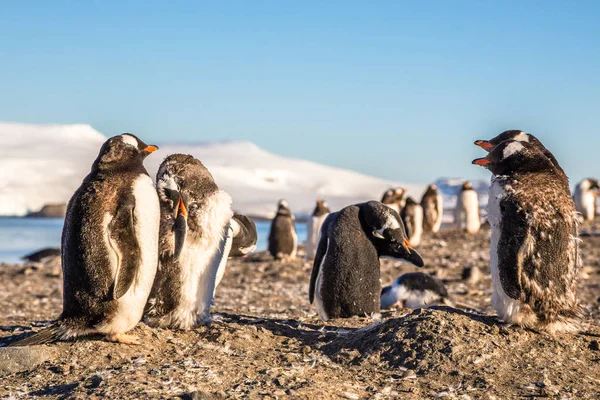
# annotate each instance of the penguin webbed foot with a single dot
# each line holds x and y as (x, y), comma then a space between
(123, 338)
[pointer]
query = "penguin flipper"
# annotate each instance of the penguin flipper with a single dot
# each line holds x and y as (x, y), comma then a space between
(123, 238)
(319, 255)
(45, 336)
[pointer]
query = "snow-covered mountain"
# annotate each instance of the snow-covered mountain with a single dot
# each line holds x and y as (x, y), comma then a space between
(41, 164)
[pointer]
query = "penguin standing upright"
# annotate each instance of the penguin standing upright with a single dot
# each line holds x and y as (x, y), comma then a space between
(109, 247)
(412, 216)
(345, 279)
(194, 225)
(433, 209)
(520, 136)
(466, 213)
(534, 239)
(585, 195)
(394, 198)
(283, 240)
(414, 290)
(319, 214)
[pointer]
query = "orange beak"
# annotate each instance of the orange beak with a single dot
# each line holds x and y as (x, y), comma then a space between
(407, 245)
(151, 149)
(481, 162)
(484, 144)
(181, 210)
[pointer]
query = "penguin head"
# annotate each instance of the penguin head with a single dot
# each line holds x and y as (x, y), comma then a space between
(589, 183)
(389, 196)
(467, 186)
(321, 208)
(123, 151)
(244, 236)
(432, 190)
(385, 229)
(512, 156)
(182, 183)
(410, 201)
(283, 209)
(513, 134)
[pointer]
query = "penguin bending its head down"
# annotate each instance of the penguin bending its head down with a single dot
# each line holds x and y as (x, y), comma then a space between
(194, 223)
(345, 279)
(520, 136)
(466, 213)
(319, 214)
(433, 209)
(283, 240)
(585, 195)
(412, 216)
(109, 247)
(534, 239)
(414, 290)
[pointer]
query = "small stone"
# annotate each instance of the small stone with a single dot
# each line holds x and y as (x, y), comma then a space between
(594, 345)
(19, 359)
(94, 382)
(409, 374)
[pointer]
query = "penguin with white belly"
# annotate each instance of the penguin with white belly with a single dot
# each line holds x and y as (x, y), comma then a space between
(313, 228)
(109, 247)
(394, 198)
(466, 213)
(534, 253)
(194, 225)
(412, 216)
(283, 241)
(433, 209)
(345, 279)
(585, 195)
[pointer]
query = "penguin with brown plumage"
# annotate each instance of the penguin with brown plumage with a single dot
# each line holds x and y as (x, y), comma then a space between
(534, 253)
(433, 209)
(109, 247)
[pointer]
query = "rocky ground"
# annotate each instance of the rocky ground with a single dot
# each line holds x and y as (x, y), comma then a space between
(266, 341)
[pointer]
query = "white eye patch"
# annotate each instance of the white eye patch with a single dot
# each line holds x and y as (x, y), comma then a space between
(129, 140)
(511, 149)
(522, 137)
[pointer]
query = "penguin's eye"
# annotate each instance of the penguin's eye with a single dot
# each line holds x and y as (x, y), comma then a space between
(193, 207)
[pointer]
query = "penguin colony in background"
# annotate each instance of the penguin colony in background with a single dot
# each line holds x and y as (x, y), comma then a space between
(130, 248)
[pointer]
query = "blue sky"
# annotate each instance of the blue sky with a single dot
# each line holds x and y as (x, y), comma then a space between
(389, 88)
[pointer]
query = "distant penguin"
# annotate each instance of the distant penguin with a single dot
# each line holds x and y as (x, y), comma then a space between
(319, 214)
(394, 198)
(520, 136)
(414, 290)
(42, 256)
(585, 195)
(534, 252)
(345, 279)
(433, 209)
(466, 213)
(109, 247)
(412, 216)
(283, 240)
(194, 224)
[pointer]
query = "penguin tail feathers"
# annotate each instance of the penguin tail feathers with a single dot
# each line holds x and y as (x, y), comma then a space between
(47, 335)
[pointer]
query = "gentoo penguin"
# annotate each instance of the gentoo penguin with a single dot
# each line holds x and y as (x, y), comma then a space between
(520, 136)
(41, 256)
(194, 224)
(433, 209)
(466, 213)
(319, 214)
(394, 198)
(412, 216)
(241, 240)
(345, 275)
(414, 290)
(534, 239)
(283, 240)
(585, 195)
(109, 246)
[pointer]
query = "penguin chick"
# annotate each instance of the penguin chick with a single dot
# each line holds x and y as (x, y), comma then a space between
(412, 217)
(585, 195)
(345, 279)
(414, 290)
(534, 252)
(520, 136)
(283, 240)
(313, 228)
(109, 247)
(466, 213)
(433, 209)
(195, 218)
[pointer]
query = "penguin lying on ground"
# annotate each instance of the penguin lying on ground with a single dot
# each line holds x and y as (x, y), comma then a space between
(534, 239)
(414, 290)
(313, 228)
(412, 216)
(194, 225)
(585, 195)
(433, 209)
(283, 240)
(109, 247)
(345, 279)
(466, 213)
(41, 256)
